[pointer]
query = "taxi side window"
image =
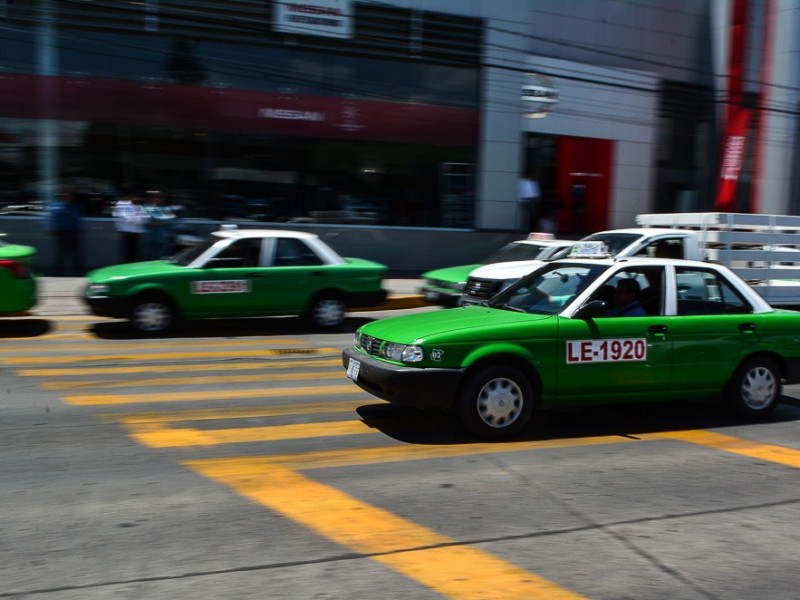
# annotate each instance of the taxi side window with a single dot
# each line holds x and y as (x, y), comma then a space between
(649, 292)
(704, 293)
(291, 252)
(241, 253)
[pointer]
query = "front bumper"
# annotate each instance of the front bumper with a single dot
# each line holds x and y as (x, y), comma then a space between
(108, 306)
(407, 386)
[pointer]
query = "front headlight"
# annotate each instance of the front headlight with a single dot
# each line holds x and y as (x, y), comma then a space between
(402, 353)
(97, 289)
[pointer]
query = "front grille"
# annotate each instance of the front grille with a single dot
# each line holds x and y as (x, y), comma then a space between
(370, 345)
(481, 289)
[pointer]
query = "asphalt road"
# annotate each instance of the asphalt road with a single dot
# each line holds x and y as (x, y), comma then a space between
(235, 460)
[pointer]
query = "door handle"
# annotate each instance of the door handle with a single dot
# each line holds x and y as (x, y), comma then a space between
(658, 329)
(747, 327)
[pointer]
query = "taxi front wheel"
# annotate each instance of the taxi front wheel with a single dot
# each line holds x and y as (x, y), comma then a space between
(496, 402)
(755, 387)
(151, 314)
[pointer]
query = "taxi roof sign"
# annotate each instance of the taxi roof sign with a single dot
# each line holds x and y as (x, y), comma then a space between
(541, 236)
(591, 249)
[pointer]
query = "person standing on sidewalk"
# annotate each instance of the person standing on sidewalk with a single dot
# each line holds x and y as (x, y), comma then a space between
(529, 197)
(130, 219)
(65, 226)
(161, 227)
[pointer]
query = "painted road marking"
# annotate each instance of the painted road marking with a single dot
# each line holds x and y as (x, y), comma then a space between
(222, 414)
(735, 445)
(119, 345)
(206, 395)
(157, 436)
(180, 368)
(158, 356)
(443, 564)
(190, 380)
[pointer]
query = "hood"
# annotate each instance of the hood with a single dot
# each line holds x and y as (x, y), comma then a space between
(17, 252)
(457, 274)
(149, 268)
(428, 325)
(507, 270)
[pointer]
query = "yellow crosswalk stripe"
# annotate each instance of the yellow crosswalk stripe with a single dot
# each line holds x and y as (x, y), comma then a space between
(450, 568)
(158, 356)
(155, 344)
(181, 368)
(190, 380)
(206, 395)
(223, 414)
(735, 445)
(157, 436)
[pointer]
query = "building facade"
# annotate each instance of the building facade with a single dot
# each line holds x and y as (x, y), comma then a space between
(403, 113)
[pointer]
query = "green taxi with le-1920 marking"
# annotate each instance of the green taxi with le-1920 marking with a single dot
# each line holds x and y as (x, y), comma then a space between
(586, 330)
(238, 273)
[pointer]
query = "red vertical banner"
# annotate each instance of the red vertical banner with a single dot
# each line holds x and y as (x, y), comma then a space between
(737, 118)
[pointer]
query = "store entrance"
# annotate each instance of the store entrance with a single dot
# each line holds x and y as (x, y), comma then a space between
(574, 174)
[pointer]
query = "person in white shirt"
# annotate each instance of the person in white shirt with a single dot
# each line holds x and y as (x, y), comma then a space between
(161, 227)
(130, 219)
(529, 197)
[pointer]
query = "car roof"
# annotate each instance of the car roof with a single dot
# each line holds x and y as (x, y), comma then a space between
(262, 233)
(544, 242)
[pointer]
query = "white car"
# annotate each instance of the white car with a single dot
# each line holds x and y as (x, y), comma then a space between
(488, 280)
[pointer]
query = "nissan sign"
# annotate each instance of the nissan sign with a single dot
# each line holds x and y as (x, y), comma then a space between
(539, 96)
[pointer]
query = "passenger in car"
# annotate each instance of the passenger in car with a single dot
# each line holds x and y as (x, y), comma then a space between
(626, 300)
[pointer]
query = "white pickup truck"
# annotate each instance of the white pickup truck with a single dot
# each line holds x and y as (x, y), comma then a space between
(762, 249)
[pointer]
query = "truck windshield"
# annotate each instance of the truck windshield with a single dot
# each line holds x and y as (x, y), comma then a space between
(615, 242)
(549, 289)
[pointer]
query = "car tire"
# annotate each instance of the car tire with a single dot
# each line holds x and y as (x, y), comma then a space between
(755, 388)
(496, 402)
(328, 311)
(152, 314)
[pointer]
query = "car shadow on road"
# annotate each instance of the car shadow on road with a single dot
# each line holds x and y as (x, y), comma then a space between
(429, 427)
(24, 327)
(251, 326)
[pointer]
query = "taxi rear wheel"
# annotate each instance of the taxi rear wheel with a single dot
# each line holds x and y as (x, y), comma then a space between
(497, 402)
(755, 387)
(152, 314)
(328, 311)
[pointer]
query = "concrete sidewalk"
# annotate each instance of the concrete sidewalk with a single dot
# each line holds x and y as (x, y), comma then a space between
(63, 296)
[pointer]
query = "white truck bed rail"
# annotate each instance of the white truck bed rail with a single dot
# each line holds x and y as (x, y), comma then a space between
(762, 249)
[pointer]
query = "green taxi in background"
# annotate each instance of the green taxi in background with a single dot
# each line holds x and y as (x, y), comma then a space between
(556, 338)
(445, 286)
(238, 273)
(18, 286)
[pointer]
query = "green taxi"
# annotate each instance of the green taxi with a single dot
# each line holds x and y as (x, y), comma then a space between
(557, 338)
(238, 273)
(17, 282)
(446, 285)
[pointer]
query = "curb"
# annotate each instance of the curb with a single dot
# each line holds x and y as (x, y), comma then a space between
(397, 303)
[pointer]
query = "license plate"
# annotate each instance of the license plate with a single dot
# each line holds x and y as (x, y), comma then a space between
(353, 367)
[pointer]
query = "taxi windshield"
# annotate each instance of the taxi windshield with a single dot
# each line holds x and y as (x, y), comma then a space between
(515, 251)
(187, 255)
(549, 289)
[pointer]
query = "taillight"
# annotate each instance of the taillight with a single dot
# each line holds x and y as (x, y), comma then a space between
(16, 268)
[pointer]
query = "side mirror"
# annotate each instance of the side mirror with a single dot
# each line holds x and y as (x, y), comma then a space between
(592, 309)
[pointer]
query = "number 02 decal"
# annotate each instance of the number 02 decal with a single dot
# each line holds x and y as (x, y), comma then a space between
(583, 351)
